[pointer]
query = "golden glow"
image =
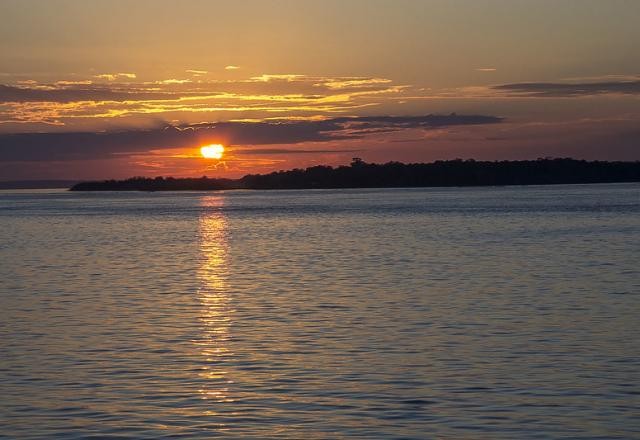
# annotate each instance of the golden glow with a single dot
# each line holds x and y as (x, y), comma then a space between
(213, 151)
(216, 308)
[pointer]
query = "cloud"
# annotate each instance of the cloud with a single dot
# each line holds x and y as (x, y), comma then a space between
(428, 121)
(84, 82)
(173, 81)
(197, 72)
(115, 76)
(289, 77)
(558, 90)
(486, 69)
(78, 92)
(64, 102)
(354, 82)
(268, 151)
(68, 146)
(602, 78)
(231, 67)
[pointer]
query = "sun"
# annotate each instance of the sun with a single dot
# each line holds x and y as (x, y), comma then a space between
(213, 151)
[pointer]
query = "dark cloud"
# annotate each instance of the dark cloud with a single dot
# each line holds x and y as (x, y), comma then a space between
(79, 93)
(552, 90)
(259, 151)
(103, 145)
(428, 121)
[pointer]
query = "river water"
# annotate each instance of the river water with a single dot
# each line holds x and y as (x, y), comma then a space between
(481, 313)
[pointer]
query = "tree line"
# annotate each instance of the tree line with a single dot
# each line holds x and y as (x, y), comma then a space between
(360, 174)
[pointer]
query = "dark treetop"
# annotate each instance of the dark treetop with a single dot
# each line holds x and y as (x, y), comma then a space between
(395, 174)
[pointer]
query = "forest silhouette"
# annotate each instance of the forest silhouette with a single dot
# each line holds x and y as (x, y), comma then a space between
(360, 174)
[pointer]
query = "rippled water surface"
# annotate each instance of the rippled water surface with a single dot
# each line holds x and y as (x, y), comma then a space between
(489, 313)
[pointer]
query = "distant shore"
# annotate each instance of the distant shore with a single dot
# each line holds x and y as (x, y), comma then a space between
(360, 174)
(36, 184)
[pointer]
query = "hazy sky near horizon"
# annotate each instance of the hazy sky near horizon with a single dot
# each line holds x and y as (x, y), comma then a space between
(97, 89)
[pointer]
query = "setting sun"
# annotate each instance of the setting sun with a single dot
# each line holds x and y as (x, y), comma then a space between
(213, 151)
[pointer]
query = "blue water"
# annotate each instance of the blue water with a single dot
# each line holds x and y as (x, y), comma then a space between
(482, 313)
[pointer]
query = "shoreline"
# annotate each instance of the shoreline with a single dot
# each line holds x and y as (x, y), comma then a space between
(359, 174)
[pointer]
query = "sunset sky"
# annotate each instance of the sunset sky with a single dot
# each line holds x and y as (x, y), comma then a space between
(102, 89)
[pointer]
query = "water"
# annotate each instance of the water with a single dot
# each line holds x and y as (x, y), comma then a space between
(488, 313)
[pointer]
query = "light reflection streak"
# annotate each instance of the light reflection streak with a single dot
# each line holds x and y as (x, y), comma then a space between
(216, 314)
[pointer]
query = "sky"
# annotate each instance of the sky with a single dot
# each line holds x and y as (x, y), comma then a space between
(111, 89)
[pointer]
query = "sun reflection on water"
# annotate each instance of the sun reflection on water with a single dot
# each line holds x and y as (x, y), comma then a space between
(213, 295)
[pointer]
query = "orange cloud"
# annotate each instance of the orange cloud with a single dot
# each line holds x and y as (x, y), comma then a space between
(115, 76)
